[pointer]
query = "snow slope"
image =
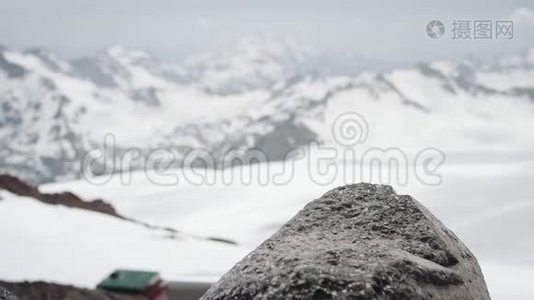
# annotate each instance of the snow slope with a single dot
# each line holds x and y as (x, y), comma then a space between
(60, 244)
(488, 204)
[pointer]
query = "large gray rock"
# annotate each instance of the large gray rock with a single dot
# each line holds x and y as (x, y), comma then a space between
(359, 241)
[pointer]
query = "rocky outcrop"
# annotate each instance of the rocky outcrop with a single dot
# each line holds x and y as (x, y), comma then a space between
(21, 188)
(18, 187)
(359, 241)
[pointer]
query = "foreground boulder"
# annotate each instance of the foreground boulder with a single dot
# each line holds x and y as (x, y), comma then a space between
(359, 241)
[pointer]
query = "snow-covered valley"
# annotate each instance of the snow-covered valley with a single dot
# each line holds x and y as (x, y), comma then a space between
(487, 204)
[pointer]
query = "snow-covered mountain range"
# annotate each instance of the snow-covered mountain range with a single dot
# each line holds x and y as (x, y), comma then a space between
(259, 94)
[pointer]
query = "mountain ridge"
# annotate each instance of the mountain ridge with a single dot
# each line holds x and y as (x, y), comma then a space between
(55, 111)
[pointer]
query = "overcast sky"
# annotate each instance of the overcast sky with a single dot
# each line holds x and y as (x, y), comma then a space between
(382, 30)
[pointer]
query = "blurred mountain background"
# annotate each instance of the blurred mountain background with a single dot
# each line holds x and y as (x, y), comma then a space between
(261, 93)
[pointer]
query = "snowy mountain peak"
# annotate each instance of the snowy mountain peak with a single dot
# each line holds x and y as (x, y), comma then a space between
(131, 70)
(127, 56)
(255, 61)
(523, 60)
(51, 60)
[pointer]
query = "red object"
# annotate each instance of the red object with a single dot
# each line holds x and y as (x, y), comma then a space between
(157, 291)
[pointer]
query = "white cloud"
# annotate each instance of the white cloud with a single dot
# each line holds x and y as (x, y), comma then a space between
(523, 17)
